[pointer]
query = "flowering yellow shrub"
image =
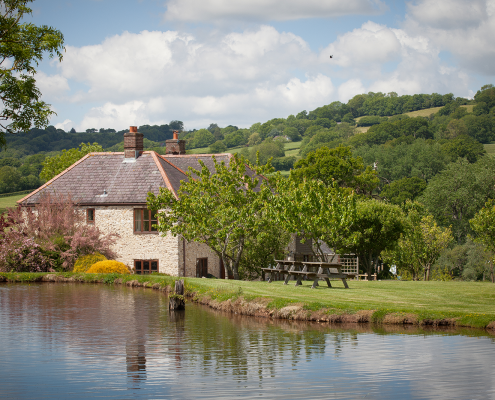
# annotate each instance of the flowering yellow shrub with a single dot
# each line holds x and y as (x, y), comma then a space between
(108, 267)
(85, 262)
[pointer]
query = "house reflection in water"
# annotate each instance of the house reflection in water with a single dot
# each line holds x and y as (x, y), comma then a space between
(135, 348)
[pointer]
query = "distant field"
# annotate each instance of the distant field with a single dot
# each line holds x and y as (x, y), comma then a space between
(362, 129)
(469, 107)
(200, 150)
(423, 113)
(490, 149)
(9, 201)
(291, 149)
(420, 113)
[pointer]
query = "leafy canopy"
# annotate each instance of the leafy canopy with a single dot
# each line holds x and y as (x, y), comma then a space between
(22, 46)
(376, 227)
(483, 223)
(314, 211)
(224, 209)
(336, 165)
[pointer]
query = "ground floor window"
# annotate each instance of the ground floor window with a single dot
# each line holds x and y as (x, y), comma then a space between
(201, 267)
(145, 266)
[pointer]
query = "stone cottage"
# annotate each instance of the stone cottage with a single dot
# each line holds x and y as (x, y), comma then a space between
(111, 189)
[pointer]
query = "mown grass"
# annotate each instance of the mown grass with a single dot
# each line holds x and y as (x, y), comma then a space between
(470, 303)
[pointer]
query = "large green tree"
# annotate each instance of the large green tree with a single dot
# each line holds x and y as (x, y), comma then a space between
(225, 209)
(457, 193)
(376, 227)
(314, 211)
(483, 223)
(428, 242)
(398, 192)
(22, 47)
(403, 255)
(337, 166)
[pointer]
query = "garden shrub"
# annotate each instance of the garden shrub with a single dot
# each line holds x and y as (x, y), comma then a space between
(85, 262)
(57, 233)
(23, 254)
(108, 267)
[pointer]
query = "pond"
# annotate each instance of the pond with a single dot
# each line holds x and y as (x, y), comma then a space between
(81, 340)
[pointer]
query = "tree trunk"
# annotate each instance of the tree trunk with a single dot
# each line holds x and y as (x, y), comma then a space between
(227, 267)
(235, 267)
(428, 268)
(368, 261)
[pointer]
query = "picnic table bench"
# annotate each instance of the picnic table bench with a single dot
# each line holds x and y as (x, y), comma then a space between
(313, 270)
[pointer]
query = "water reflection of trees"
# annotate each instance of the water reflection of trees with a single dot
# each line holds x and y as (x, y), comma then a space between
(224, 345)
(131, 330)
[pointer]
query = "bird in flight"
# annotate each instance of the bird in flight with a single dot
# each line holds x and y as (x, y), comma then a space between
(331, 56)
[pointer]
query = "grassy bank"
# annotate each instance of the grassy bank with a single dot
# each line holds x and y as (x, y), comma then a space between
(450, 303)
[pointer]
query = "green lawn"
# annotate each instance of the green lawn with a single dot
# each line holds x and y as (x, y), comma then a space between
(9, 201)
(472, 302)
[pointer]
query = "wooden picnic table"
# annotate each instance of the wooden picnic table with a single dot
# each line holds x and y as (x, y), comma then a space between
(315, 270)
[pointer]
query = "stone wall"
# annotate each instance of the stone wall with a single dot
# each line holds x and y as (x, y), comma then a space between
(168, 250)
(194, 251)
(131, 246)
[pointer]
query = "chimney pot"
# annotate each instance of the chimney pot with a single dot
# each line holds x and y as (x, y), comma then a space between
(133, 143)
(175, 145)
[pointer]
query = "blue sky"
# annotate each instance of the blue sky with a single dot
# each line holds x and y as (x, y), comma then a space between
(136, 62)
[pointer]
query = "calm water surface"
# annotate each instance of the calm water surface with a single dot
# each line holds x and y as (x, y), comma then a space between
(81, 341)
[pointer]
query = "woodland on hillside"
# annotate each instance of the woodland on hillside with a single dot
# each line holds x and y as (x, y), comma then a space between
(437, 159)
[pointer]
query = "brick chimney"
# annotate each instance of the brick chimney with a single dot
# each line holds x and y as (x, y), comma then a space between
(133, 144)
(175, 145)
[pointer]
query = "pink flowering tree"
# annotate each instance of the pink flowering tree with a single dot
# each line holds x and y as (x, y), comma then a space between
(49, 237)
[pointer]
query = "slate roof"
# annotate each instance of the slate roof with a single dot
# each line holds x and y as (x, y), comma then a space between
(105, 178)
(184, 161)
(108, 178)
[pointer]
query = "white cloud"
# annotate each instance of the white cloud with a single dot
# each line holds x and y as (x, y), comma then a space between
(364, 48)
(244, 77)
(349, 89)
(266, 10)
(67, 125)
(117, 116)
(463, 28)
(150, 64)
(199, 111)
(449, 14)
(53, 87)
